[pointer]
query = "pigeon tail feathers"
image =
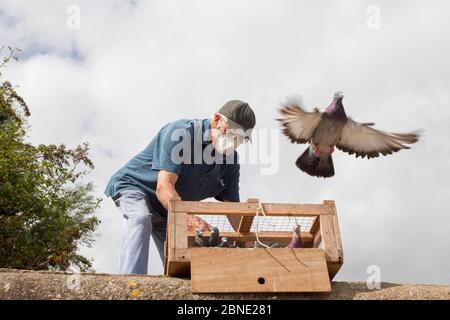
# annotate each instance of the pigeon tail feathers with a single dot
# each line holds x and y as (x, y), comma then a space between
(314, 166)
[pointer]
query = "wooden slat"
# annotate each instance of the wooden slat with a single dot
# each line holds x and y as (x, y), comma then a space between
(245, 224)
(174, 224)
(249, 209)
(181, 230)
(330, 233)
(183, 255)
(333, 256)
(179, 266)
(331, 204)
(315, 226)
(281, 270)
(170, 231)
(176, 233)
(317, 240)
(337, 234)
(166, 257)
(327, 232)
(246, 221)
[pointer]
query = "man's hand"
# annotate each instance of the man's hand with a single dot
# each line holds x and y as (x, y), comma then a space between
(165, 188)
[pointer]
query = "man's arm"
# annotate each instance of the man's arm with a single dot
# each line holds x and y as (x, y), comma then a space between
(165, 188)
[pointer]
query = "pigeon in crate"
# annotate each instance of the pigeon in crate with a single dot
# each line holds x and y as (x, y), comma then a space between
(296, 240)
(324, 131)
(224, 243)
(199, 240)
(214, 238)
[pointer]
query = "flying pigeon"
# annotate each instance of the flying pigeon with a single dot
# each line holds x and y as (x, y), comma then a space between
(214, 238)
(296, 241)
(332, 128)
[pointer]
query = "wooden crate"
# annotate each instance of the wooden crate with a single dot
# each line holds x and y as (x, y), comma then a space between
(306, 269)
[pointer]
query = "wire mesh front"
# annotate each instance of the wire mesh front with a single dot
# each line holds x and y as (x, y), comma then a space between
(262, 223)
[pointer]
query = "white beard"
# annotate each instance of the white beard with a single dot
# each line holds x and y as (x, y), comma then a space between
(224, 144)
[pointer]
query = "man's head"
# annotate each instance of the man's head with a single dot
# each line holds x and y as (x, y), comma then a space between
(232, 126)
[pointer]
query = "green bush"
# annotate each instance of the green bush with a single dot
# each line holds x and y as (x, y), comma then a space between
(46, 213)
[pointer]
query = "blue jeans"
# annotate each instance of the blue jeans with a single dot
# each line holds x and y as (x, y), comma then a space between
(140, 222)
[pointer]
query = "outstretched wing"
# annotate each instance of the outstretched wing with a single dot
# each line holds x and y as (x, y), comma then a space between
(362, 140)
(298, 124)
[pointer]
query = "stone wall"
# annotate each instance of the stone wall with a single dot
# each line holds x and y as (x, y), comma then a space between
(19, 284)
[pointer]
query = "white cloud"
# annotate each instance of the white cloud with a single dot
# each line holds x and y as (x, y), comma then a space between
(132, 67)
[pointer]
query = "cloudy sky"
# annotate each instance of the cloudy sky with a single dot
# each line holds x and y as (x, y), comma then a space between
(113, 72)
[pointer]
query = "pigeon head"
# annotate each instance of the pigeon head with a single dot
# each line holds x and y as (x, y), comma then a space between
(338, 96)
(336, 103)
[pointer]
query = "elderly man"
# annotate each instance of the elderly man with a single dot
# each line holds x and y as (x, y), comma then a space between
(189, 160)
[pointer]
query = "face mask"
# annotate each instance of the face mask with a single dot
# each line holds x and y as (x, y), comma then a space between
(225, 144)
(228, 142)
